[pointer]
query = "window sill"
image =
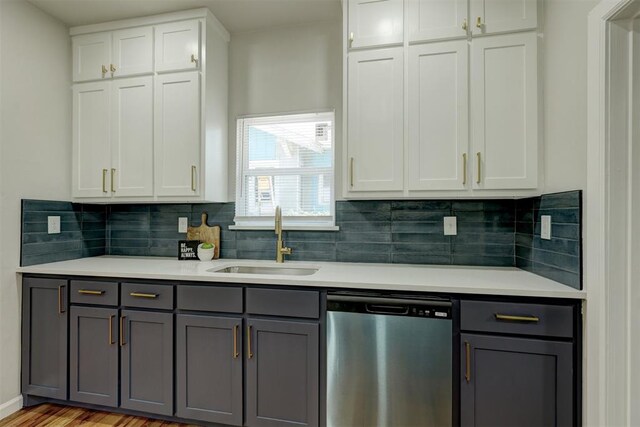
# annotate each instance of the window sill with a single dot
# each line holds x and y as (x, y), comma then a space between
(287, 227)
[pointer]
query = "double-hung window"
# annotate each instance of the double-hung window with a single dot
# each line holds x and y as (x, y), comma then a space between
(286, 161)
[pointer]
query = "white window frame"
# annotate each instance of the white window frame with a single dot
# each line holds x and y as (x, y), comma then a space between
(308, 223)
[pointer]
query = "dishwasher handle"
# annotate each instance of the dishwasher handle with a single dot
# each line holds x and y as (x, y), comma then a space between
(379, 301)
(387, 309)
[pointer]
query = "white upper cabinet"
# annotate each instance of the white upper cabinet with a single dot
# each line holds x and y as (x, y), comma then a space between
(132, 137)
(91, 56)
(438, 118)
(437, 19)
(499, 16)
(177, 46)
(153, 126)
(504, 111)
(91, 147)
(375, 22)
(177, 134)
(132, 52)
(376, 120)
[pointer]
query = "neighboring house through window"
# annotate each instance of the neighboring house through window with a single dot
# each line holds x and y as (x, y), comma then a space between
(286, 160)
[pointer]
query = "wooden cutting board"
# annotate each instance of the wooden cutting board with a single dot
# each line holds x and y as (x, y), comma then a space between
(207, 234)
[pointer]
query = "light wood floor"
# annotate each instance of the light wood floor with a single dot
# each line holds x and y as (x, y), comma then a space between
(56, 415)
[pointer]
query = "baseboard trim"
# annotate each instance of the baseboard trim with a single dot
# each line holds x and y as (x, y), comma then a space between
(11, 406)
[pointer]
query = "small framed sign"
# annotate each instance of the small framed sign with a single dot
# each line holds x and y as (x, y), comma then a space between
(188, 249)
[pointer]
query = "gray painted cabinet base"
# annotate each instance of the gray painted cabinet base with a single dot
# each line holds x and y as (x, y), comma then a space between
(93, 358)
(282, 373)
(520, 382)
(209, 368)
(44, 337)
(146, 382)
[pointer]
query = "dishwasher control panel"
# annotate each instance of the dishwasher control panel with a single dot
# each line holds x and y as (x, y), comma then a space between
(390, 305)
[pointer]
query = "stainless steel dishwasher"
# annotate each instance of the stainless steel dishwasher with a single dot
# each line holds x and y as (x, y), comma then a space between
(389, 361)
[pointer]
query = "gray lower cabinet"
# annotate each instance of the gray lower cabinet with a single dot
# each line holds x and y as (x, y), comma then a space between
(44, 337)
(93, 358)
(146, 377)
(209, 368)
(509, 381)
(282, 364)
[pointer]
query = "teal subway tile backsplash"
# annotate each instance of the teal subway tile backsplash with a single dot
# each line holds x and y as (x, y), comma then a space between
(490, 233)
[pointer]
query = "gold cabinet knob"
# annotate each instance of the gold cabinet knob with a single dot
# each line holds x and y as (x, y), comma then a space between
(465, 24)
(194, 59)
(113, 68)
(104, 70)
(479, 22)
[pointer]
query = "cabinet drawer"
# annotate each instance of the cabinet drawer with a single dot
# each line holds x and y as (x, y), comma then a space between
(517, 318)
(147, 296)
(210, 298)
(283, 302)
(94, 292)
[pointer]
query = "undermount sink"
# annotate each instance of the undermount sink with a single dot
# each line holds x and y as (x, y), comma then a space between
(250, 269)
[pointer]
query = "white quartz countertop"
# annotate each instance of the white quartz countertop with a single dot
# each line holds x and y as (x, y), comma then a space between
(508, 281)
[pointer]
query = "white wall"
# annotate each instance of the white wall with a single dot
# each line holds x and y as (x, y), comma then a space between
(35, 149)
(284, 70)
(565, 93)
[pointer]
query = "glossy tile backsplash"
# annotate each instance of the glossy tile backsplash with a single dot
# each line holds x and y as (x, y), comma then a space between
(490, 233)
(82, 231)
(560, 258)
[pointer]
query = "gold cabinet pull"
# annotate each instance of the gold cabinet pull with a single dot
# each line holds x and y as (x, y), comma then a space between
(104, 70)
(510, 318)
(104, 180)
(465, 24)
(122, 343)
(113, 174)
(194, 59)
(90, 292)
(193, 178)
(479, 22)
(111, 329)
(351, 37)
(60, 300)
(479, 168)
(249, 353)
(143, 295)
(464, 168)
(235, 341)
(467, 372)
(112, 68)
(351, 171)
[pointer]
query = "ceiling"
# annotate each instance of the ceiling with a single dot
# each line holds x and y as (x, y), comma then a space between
(236, 15)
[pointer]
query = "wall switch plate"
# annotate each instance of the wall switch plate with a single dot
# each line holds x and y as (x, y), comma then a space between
(183, 223)
(450, 226)
(545, 228)
(53, 224)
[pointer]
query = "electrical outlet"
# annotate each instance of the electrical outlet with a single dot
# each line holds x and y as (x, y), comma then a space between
(53, 224)
(183, 223)
(545, 227)
(450, 226)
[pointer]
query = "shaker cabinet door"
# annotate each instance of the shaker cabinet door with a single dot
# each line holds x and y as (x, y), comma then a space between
(91, 140)
(91, 56)
(500, 16)
(375, 22)
(44, 337)
(504, 111)
(509, 381)
(437, 19)
(282, 359)
(209, 368)
(146, 377)
(93, 358)
(132, 51)
(376, 121)
(177, 46)
(177, 134)
(438, 116)
(132, 137)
